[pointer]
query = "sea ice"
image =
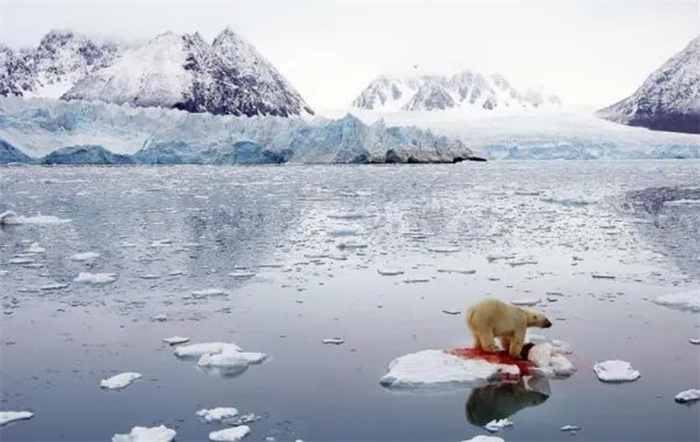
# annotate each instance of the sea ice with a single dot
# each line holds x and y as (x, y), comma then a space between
(541, 354)
(21, 261)
(688, 396)
(230, 434)
(85, 256)
(430, 369)
(482, 438)
(96, 278)
(53, 286)
(336, 341)
(459, 271)
(35, 248)
(498, 424)
(451, 311)
(694, 341)
(443, 249)
(119, 381)
(160, 317)
(217, 414)
(685, 301)
(525, 301)
(389, 271)
(615, 371)
(205, 348)
(570, 428)
(208, 292)
(176, 340)
(145, 434)
(11, 416)
(231, 358)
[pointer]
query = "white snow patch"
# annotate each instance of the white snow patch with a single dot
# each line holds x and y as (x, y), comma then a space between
(205, 348)
(217, 414)
(688, 396)
(541, 354)
(85, 256)
(11, 416)
(96, 278)
(615, 371)
(145, 434)
(176, 340)
(230, 434)
(119, 381)
(435, 369)
(685, 301)
(498, 424)
(525, 301)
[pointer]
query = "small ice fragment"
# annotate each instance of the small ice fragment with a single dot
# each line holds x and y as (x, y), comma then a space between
(205, 348)
(231, 358)
(451, 311)
(443, 249)
(615, 371)
(11, 416)
(21, 261)
(597, 276)
(525, 301)
(336, 341)
(482, 438)
(242, 275)
(459, 271)
(498, 424)
(176, 340)
(53, 286)
(96, 278)
(208, 292)
(688, 396)
(160, 317)
(176, 273)
(4, 272)
(145, 434)
(230, 434)
(570, 428)
(541, 354)
(685, 301)
(416, 280)
(149, 276)
(694, 341)
(35, 248)
(389, 271)
(119, 381)
(216, 414)
(85, 256)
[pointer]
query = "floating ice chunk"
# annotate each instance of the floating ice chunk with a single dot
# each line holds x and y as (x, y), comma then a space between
(416, 280)
(336, 341)
(597, 276)
(231, 358)
(205, 348)
(451, 311)
(561, 366)
(96, 278)
(12, 416)
(85, 256)
(482, 438)
(443, 249)
(53, 286)
(685, 301)
(119, 381)
(541, 354)
(8, 218)
(4, 272)
(145, 434)
(160, 317)
(217, 414)
(245, 419)
(242, 275)
(435, 369)
(35, 248)
(694, 341)
(688, 396)
(525, 301)
(21, 261)
(615, 371)
(498, 424)
(149, 276)
(462, 272)
(389, 271)
(570, 428)
(522, 263)
(347, 215)
(208, 292)
(230, 434)
(347, 245)
(176, 340)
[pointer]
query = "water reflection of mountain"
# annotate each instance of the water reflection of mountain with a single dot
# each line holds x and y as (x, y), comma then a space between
(504, 400)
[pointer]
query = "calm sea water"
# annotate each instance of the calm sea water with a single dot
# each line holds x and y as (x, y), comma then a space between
(306, 244)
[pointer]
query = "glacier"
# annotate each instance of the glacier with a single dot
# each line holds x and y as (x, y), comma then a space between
(50, 131)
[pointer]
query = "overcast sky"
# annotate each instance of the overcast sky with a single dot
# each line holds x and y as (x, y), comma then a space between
(590, 53)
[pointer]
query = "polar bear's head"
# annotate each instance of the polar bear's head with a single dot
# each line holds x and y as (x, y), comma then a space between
(535, 319)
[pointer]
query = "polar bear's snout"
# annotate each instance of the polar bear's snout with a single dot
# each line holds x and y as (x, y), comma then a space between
(546, 324)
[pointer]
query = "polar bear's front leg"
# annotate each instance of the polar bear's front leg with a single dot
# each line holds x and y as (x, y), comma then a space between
(516, 344)
(505, 342)
(487, 342)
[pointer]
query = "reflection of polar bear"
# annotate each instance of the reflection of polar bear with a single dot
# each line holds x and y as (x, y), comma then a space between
(499, 402)
(493, 318)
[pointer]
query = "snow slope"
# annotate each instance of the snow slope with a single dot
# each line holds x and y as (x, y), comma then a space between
(185, 72)
(93, 130)
(467, 89)
(668, 100)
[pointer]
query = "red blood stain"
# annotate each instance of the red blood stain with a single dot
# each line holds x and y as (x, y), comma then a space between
(501, 357)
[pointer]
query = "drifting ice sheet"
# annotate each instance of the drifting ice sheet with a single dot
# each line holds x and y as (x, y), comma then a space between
(615, 371)
(217, 414)
(481, 438)
(688, 396)
(96, 278)
(86, 256)
(231, 358)
(176, 340)
(11, 416)
(144, 434)
(196, 350)
(119, 381)
(230, 434)
(686, 301)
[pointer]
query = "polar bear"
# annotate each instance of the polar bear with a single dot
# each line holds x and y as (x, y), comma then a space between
(492, 318)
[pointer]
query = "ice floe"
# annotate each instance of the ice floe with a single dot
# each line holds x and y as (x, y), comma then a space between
(35, 248)
(216, 414)
(197, 350)
(458, 271)
(53, 286)
(482, 438)
(119, 381)
(85, 256)
(688, 396)
(389, 271)
(694, 341)
(230, 434)
(570, 428)
(685, 301)
(95, 278)
(145, 434)
(11, 218)
(525, 301)
(451, 311)
(615, 371)
(160, 317)
(197, 294)
(20, 261)
(11, 416)
(336, 341)
(498, 424)
(176, 340)
(443, 249)
(231, 358)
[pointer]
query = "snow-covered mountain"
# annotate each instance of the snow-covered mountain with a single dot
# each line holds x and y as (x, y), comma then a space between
(61, 59)
(185, 72)
(668, 100)
(466, 90)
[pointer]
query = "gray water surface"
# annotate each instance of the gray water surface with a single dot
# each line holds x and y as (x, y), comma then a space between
(314, 238)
